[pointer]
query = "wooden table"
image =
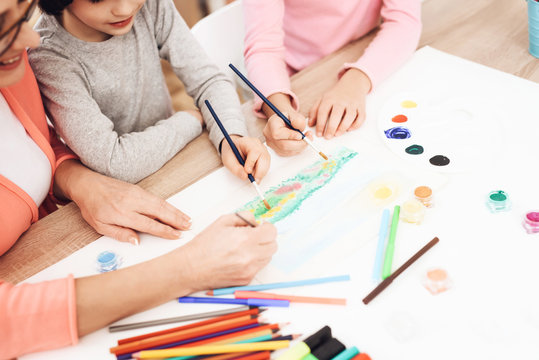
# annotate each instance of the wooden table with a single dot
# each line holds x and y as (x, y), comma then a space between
(491, 32)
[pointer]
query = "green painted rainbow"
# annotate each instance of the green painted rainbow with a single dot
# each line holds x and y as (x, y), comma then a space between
(287, 197)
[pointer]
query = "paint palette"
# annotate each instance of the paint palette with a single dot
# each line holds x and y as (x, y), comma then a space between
(448, 135)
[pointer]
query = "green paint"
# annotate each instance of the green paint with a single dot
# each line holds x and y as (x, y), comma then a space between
(288, 196)
(498, 196)
(414, 149)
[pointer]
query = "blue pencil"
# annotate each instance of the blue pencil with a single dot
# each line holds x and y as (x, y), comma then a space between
(382, 235)
(250, 302)
(236, 152)
(280, 285)
(275, 110)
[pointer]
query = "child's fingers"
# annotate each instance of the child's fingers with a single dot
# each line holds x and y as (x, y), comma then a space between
(232, 164)
(313, 113)
(253, 154)
(350, 116)
(337, 112)
(359, 120)
(262, 166)
(322, 117)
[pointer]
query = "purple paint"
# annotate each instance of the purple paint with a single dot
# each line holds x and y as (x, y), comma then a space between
(398, 132)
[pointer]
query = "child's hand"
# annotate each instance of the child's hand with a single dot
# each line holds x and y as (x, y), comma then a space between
(342, 108)
(281, 138)
(257, 158)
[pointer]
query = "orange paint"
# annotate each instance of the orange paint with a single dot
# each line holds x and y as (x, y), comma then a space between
(399, 119)
(424, 195)
(436, 281)
(437, 275)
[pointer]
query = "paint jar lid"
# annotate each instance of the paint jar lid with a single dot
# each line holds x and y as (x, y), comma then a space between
(423, 192)
(108, 261)
(436, 280)
(412, 211)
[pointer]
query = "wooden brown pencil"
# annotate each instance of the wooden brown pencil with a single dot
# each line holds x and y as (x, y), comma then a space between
(377, 290)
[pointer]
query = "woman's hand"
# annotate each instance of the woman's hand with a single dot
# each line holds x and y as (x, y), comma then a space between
(227, 253)
(342, 108)
(255, 154)
(115, 208)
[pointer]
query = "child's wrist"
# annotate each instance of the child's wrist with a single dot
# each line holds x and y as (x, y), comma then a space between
(359, 79)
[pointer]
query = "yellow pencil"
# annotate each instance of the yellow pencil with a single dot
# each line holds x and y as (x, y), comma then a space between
(212, 349)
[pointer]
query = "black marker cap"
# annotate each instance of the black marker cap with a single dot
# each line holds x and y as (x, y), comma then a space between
(318, 338)
(329, 349)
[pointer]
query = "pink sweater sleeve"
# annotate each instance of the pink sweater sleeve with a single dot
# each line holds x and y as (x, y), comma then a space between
(264, 49)
(395, 42)
(37, 317)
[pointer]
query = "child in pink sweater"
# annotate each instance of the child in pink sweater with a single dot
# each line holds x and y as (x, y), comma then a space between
(285, 36)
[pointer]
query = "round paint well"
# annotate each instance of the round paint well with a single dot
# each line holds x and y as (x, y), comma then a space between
(439, 160)
(107, 261)
(399, 118)
(398, 132)
(424, 195)
(382, 193)
(436, 280)
(498, 200)
(408, 104)
(531, 222)
(414, 149)
(412, 211)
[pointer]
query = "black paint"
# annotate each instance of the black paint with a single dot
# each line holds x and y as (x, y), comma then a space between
(439, 160)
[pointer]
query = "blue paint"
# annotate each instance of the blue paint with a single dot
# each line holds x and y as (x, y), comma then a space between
(398, 132)
(108, 261)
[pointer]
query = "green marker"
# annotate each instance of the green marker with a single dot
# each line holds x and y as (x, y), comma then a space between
(390, 248)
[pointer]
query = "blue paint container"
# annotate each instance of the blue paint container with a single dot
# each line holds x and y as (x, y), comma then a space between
(533, 27)
(108, 261)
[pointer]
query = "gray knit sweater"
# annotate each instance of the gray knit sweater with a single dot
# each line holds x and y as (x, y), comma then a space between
(109, 101)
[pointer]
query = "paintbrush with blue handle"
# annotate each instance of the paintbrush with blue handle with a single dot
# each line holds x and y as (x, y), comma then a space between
(237, 153)
(277, 111)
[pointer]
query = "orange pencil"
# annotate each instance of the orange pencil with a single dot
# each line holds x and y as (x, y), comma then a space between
(262, 355)
(181, 335)
(291, 298)
(251, 312)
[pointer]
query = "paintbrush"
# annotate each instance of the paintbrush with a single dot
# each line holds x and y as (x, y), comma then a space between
(237, 153)
(275, 110)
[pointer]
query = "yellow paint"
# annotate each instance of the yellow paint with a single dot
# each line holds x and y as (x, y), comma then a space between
(382, 193)
(408, 104)
(278, 207)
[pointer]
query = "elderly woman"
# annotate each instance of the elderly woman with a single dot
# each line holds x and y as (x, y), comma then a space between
(36, 169)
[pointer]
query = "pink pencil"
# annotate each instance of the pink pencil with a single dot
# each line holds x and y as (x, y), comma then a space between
(291, 298)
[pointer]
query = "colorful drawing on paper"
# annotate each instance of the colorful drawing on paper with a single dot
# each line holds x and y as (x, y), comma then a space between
(288, 196)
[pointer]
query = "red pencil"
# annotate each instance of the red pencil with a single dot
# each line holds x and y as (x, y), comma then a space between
(252, 312)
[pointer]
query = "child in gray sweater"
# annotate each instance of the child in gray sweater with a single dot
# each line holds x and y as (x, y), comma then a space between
(100, 76)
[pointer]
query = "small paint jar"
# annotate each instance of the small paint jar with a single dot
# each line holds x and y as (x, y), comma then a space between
(436, 281)
(108, 261)
(424, 195)
(531, 222)
(412, 211)
(498, 200)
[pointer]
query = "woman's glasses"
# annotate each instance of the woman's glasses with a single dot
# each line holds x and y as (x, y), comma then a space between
(7, 38)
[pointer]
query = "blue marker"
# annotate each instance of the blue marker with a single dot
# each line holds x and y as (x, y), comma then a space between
(250, 302)
(382, 235)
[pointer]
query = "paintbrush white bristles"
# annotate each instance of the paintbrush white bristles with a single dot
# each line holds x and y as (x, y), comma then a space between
(266, 203)
(309, 142)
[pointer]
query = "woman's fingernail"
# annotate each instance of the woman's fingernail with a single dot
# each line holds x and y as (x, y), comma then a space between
(133, 240)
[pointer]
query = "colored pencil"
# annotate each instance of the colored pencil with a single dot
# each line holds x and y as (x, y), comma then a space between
(143, 324)
(390, 248)
(377, 290)
(213, 349)
(184, 342)
(250, 302)
(279, 285)
(291, 298)
(382, 235)
(251, 312)
(262, 355)
(236, 153)
(229, 335)
(182, 335)
(276, 111)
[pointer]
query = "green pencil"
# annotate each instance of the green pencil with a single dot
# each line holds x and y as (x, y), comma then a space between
(390, 248)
